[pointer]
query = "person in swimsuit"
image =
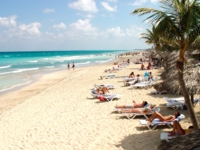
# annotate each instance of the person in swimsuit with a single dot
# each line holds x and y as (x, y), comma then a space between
(163, 118)
(150, 76)
(143, 110)
(73, 65)
(177, 129)
(104, 90)
(134, 105)
(132, 75)
(68, 66)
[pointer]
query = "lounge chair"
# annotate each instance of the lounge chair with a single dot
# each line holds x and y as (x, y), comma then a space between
(145, 84)
(110, 76)
(119, 109)
(156, 122)
(109, 97)
(157, 92)
(165, 136)
(128, 81)
(133, 115)
(109, 86)
(179, 104)
(116, 69)
(95, 94)
(178, 99)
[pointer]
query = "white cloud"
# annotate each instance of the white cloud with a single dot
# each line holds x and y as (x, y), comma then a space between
(83, 25)
(154, 1)
(59, 26)
(139, 2)
(115, 31)
(48, 10)
(108, 7)
(135, 31)
(84, 5)
(112, 1)
(8, 21)
(32, 29)
(87, 15)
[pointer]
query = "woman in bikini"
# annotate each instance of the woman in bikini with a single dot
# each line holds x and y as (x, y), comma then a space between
(143, 110)
(163, 118)
(177, 129)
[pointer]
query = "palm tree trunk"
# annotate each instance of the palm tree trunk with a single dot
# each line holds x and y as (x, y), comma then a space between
(192, 97)
(180, 67)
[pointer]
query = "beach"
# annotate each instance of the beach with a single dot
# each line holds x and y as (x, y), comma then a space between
(59, 112)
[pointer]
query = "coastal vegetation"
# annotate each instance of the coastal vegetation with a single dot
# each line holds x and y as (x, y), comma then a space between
(177, 27)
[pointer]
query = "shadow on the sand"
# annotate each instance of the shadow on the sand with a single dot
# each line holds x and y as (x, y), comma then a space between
(92, 98)
(141, 141)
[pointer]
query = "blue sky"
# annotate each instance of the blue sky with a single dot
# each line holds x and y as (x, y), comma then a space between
(72, 24)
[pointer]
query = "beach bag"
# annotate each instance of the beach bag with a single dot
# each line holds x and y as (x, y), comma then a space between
(184, 107)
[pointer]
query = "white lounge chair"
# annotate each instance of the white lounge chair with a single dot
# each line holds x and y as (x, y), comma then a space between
(174, 104)
(157, 92)
(165, 136)
(109, 97)
(110, 76)
(128, 81)
(133, 115)
(145, 84)
(109, 86)
(178, 99)
(156, 122)
(95, 94)
(130, 107)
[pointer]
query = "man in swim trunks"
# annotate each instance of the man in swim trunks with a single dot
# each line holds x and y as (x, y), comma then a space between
(142, 110)
(134, 105)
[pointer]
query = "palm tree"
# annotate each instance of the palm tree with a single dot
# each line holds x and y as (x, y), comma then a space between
(160, 43)
(152, 38)
(178, 22)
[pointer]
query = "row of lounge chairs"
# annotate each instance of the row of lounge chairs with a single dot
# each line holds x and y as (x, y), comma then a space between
(156, 122)
(174, 103)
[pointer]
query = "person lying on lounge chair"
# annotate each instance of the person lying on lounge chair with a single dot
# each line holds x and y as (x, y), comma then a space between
(104, 90)
(177, 129)
(134, 105)
(163, 118)
(110, 70)
(138, 79)
(132, 75)
(143, 110)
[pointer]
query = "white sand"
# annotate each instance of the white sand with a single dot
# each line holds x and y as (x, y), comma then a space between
(59, 113)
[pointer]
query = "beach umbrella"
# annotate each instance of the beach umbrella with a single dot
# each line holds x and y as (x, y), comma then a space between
(170, 79)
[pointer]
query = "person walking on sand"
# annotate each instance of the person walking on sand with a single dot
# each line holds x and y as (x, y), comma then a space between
(68, 66)
(73, 66)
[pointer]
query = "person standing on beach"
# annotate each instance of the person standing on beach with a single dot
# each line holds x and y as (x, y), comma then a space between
(68, 65)
(73, 65)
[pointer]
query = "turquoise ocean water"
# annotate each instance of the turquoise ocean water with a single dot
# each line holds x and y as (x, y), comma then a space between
(18, 69)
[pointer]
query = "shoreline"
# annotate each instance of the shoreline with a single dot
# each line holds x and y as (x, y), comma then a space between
(36, 76)
(5, 95)
(22, 79)
(58, 112)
